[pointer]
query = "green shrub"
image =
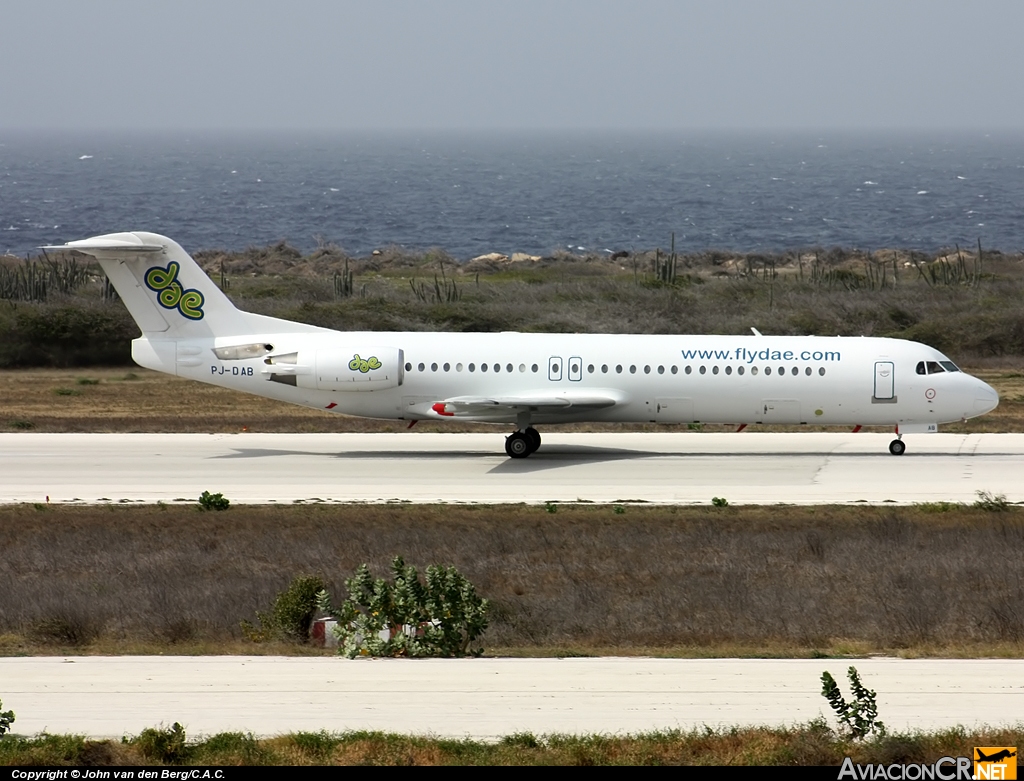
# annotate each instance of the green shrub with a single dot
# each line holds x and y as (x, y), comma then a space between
(75, 334)
(6, 719)
(440, 617)
(292, 613)
(162, 745)
(859, 718)
(991, 503)
(208, 501)
(719, 501)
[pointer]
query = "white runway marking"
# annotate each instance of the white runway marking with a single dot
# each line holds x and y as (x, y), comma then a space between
(660, 468)
(487, 698)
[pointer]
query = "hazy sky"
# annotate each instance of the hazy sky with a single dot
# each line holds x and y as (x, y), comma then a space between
(513, 64)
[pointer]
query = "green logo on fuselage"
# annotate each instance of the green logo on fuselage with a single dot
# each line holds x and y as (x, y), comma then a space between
(357, 364)
(171, 295)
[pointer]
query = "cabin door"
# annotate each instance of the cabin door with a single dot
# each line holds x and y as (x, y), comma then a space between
(885, 387)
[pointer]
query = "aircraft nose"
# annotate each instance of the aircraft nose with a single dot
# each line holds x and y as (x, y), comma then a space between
(985, 398)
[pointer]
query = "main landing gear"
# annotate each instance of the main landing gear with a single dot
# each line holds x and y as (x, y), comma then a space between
(520, 444)
(897, 447)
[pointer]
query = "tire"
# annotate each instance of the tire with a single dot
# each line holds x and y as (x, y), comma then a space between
(897, 447)
(517, 445)
(534, 436)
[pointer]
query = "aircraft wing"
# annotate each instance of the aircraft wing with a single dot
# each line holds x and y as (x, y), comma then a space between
(534, 402)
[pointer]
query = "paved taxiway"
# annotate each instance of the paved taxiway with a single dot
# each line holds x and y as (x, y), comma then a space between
(487, 698)
(653, 467)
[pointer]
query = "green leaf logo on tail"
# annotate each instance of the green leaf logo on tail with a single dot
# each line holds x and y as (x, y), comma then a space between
(171, 295)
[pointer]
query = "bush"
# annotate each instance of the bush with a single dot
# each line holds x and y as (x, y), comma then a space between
(991, 503)
(292, 614)
(67, 335)
(858, 718)
(208, 501)
(6, 719)
(162, 745)
(408, 618)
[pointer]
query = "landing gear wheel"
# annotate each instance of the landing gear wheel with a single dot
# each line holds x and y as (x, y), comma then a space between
(517, 445)
(897, 447)
(534, 436)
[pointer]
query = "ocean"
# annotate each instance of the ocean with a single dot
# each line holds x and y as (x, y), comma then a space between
(471, 194)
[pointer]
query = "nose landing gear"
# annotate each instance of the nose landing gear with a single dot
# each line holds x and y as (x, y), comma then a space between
(897, 447)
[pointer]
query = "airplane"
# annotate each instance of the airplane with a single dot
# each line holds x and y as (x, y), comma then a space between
(1004, 754)
(191, 329)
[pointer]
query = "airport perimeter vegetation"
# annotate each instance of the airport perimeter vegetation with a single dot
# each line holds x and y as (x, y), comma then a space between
(828, 582)
(814, 744)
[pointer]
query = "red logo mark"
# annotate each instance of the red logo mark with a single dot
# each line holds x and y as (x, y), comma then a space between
(332, 405)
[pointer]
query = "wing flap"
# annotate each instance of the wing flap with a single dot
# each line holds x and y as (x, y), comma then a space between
(534, 402)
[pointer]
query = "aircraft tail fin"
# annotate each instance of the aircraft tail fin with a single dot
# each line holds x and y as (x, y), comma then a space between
(165, 290)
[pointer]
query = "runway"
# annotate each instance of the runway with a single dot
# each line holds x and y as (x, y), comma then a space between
(488, 698)
(643, 467)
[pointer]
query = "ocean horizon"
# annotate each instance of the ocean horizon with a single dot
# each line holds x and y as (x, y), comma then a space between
(470, 193)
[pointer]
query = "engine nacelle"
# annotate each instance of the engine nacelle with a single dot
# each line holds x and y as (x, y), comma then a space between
(357, 369)
(339, 369)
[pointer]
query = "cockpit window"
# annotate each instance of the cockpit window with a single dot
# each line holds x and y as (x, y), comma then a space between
(935, 367)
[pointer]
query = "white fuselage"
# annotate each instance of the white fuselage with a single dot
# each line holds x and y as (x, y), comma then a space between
(662, 379)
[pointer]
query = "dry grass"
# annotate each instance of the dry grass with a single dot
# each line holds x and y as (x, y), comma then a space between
(139, 400)
(772, 581)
